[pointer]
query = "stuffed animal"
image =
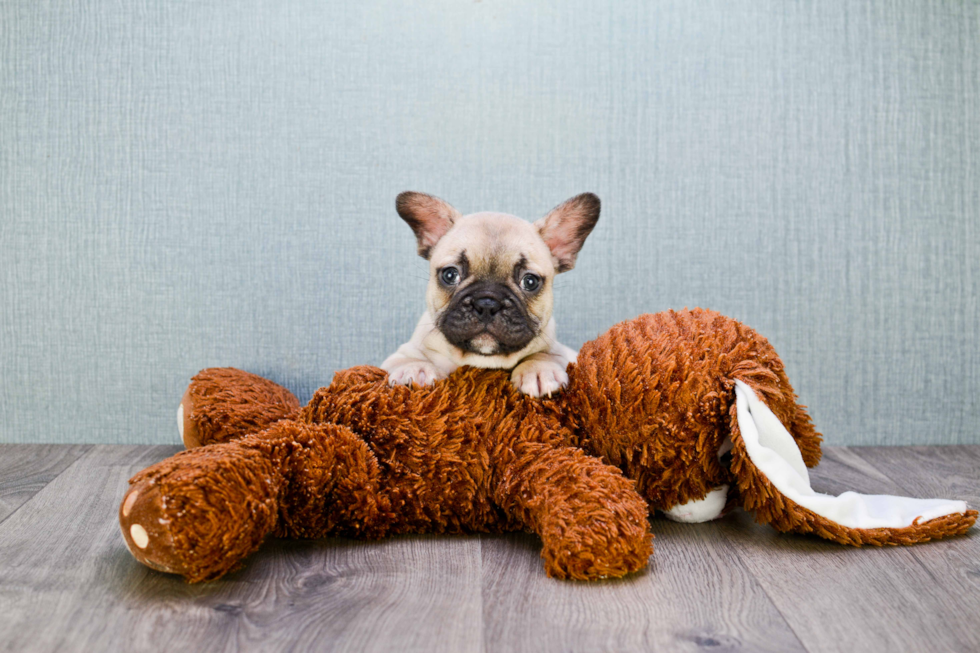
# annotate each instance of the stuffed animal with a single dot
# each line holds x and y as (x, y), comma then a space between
(683, 412)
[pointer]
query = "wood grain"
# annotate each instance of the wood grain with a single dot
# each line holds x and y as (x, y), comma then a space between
(870, 599)
(68, 583)
(26, 468)
(418, 593)
(695, 595)
(947, 472)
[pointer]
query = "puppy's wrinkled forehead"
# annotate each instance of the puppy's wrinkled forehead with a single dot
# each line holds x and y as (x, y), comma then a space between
(493, 243)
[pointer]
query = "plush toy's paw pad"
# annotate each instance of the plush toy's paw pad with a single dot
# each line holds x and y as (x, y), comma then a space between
(537, 378)
(700, 510)
(419, 373)
(146, 530)
(189, 432)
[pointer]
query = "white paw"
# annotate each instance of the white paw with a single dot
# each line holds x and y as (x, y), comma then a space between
(702, 510)
(417, 372)
(537, 378)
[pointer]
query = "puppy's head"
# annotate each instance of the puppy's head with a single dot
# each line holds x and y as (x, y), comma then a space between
(492, 274)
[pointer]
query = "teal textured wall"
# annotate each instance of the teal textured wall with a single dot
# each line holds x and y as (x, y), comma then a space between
(189, 184)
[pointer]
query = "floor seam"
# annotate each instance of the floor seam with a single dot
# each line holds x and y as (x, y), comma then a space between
(774, 604)
(88, 448)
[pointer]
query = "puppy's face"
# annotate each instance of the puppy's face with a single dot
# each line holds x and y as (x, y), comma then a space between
(491, 277)
(490, 284)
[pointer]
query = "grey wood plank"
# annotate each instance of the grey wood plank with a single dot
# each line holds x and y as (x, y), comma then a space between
(26, 468)
(950, 472)
(942, 471)
(870, 599)
(695, 595)
(68, 583)
(417, 593)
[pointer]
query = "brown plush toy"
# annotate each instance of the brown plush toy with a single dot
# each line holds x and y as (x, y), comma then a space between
(680, 411)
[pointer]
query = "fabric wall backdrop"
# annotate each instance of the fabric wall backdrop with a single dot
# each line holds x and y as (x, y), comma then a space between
(192, 184)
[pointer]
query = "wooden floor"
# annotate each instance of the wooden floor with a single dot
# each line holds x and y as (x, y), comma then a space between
(67, 582)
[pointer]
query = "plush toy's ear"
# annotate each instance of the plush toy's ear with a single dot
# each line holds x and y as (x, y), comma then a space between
(429, 217)
(774, 484)
(565, 229)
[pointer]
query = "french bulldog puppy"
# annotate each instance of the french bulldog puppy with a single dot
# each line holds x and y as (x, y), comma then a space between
(490, 292)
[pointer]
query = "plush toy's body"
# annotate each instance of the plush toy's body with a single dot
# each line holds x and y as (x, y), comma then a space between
(650, 407)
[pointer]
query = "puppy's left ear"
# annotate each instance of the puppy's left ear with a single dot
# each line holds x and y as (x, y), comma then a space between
(565, 229)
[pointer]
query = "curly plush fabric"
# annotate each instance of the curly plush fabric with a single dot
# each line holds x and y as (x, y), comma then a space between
(649, 408)
(652, 396)
(226, 404)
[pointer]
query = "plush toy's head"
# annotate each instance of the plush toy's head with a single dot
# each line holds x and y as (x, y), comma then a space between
(655, 397)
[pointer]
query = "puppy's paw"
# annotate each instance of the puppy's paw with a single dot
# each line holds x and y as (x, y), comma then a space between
(539, 378)
(420, 373)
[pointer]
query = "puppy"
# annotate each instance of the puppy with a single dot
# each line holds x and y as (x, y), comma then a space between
(490, 292)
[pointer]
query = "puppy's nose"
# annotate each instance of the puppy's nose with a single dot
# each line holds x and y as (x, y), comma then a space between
(486, 307)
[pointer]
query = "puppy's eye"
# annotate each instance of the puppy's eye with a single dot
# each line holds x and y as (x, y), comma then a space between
(530, 282)
(449, 275)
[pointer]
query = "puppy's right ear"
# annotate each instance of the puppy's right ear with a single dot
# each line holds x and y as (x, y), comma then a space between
(429, 217)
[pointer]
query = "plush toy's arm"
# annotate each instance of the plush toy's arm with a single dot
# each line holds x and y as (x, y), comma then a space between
(591, 521)
(201, 512)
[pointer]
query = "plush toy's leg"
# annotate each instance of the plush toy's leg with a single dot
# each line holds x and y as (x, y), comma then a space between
(774, 484)
(202, 511)
(223, 404)
(591, 520)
